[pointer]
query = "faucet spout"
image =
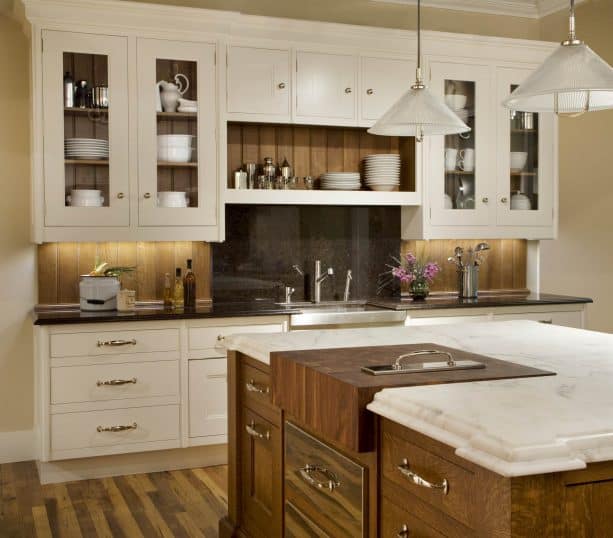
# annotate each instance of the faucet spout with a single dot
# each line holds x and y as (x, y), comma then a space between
(319, 278)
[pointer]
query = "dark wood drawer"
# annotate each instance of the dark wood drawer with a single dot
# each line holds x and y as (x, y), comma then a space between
(398, 523)
(323, 484)
(298, 525)
(255, 386)
(412, 468)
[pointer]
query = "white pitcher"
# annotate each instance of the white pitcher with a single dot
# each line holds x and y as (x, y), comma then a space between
(169, 93)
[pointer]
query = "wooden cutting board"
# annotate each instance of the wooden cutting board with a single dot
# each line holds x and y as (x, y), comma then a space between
(326, 390)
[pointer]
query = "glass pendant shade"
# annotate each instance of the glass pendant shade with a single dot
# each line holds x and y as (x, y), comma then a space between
(419, 113)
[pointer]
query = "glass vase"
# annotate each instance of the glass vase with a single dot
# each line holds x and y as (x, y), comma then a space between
(419, 290)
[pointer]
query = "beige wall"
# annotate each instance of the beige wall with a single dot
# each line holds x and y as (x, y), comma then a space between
(580, 261)
(17, 255)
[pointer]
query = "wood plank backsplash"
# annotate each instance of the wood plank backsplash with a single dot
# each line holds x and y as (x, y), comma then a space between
(504, 268)
(314, 150)
(60, 264)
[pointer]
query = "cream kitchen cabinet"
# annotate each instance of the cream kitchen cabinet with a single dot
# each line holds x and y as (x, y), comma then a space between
(326, 88)
(258, 84)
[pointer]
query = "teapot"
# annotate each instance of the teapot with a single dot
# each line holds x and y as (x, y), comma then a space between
(169, 93)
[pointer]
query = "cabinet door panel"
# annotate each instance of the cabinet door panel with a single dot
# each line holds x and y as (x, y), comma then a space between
(258, 81)
(384, 80)
(208, 397)
(326, 86)
(85, 146)
(177, 146)
(462, 166)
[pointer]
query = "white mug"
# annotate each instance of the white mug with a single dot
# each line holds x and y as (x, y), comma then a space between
(466, 161)
(451, 159)
(518, 160)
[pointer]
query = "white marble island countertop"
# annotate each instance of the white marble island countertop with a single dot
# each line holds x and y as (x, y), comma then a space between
(513, 427)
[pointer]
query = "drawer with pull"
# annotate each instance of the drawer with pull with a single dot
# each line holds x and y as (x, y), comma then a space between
(114, 342)
(114, 431)
(324, 484)
(103, 382)
(255, 386)
(435, 480)
(209, 342)
(400, 523)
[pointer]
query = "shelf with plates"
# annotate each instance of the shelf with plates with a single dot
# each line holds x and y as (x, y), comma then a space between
(168, 164)
(87, 162)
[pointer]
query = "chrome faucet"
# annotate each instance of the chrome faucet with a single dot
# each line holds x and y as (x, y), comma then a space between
(348, 285)
(319, 278)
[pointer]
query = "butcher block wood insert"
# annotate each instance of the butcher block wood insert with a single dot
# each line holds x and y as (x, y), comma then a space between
(316, 387)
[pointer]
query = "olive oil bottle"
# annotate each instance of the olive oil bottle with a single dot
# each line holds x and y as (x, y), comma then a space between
(168, 292)
(178, 290)
(189, 287)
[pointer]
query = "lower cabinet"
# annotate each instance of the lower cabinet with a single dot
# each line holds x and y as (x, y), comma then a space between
(208, 401)
(298, 525)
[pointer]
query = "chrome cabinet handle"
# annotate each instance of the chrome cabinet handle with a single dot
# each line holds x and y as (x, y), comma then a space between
(331, 482)
(252, 386)
(403, 532)
(121, 428)
(485, 199)
(115, 382)
(504, 199)
(116, 343)
(405, 469)
(281, 85)
(220, 338)
(121, 195)
(398, 362)
(147, 195)
(253, 431)
(370, 91)
(348, 90)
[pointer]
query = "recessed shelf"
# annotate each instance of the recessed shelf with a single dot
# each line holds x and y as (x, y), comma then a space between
(88, 162)
(167, 164)
(177, 115)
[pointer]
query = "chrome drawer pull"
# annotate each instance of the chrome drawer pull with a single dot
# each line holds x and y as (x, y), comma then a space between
(403, 532)
(419, 481)
(546, 321)
(116, 343)
(121, 428)
(252, 430)
(252, 386)
(331, 482)
(115, 382)
(398, 362)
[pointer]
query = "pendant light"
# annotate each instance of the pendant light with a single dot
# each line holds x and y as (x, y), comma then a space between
(418, 112)
(573, 80)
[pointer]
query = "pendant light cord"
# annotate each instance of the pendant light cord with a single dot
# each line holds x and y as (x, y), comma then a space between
(419, 82)
(572, 36)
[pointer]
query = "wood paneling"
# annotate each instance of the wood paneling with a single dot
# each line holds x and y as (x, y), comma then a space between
(60, 264)
(314, 150)
(504, 268)
(186, 503)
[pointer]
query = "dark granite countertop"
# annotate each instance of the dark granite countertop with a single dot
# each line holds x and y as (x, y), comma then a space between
(433, 303)
(256, 308)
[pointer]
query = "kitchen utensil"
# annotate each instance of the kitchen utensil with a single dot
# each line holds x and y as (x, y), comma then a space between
(466, 159)
(455, 101)
(68, 90)
(171, 92)
(481, 247)
(451, 159)
(518, 160)
(100, 97)
(470, 282)
(251, 169)
(520, 201)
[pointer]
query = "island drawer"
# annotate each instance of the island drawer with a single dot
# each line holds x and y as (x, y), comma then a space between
(425, 474)
(324, 485)
(395, 521)
(102, 382)
(255, 386)
(298, 525)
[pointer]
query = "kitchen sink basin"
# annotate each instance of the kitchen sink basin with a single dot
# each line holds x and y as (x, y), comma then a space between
(341, 313)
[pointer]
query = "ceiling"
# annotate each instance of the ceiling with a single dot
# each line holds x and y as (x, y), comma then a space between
(533, 9)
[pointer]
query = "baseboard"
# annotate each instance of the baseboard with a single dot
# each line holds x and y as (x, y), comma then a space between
(17, 446)
(141, 462)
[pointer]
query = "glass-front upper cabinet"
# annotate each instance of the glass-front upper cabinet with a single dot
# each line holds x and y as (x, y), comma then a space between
(177, 133)
(85, 109)
(460, 165)
(525, 159)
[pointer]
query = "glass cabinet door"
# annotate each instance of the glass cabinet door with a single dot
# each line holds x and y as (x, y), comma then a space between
(461, 164)
(177, 133)
(525, 160)
(85, 111)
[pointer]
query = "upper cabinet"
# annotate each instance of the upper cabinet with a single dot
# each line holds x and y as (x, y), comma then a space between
(258, 83)
(326, 88)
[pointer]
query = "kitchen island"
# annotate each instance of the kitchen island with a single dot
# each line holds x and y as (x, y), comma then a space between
(508, 457)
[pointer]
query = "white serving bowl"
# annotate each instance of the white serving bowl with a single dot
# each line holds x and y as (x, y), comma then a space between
(175, 154)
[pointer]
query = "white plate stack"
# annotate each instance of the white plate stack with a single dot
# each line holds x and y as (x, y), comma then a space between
(86, 148)
(382, 172)
(340, 181)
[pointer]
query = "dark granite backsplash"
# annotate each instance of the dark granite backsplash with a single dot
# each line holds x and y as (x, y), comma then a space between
(264, 242)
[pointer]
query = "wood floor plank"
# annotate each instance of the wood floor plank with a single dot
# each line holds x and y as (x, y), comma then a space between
(189, 526)
(103, 530)
(41, 522)
(63, 519)
(211, 481)
(153, 515)
(136, 507)
(120, 510)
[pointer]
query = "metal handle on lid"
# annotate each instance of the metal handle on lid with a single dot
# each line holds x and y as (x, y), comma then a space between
(398, 362)
(331, 482)
(405, 469)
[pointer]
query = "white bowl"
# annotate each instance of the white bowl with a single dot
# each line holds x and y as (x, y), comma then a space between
(518, 160)
(175, 140)
(85, 202)
(383, 188)
(455, 100)
(175, 154)
(86, 193)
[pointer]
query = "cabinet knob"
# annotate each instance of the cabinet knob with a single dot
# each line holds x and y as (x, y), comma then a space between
(504, 199)
(370, 91)
(147, 195)
(281, 85)
(347, 90)
(485, 199)
(121, 195)
(403, 532)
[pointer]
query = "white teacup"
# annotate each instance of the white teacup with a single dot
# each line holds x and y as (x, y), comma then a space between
(519, 160)
(466, 160)
(455, 101)
(451, 159)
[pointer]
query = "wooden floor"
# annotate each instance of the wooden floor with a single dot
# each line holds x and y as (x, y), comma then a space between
(184, 503)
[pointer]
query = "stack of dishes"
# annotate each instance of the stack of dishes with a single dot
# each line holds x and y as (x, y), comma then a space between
(175, 148)
(85, 198)
(382, 172)
(187, 105)
(340, 181)
(86, 148)
(173, 199)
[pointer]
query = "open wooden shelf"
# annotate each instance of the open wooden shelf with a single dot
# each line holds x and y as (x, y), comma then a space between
(167, 164)
(88, 162)
(177, 115)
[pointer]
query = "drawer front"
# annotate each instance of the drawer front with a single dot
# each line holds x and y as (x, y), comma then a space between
(208, 397)
(255, 386)
(101, 382)
(298, 525)
(114, 342)
(209, 341)
(70, 431)
(324, 484)
(398, 452)
(397, 522)
(565, 319)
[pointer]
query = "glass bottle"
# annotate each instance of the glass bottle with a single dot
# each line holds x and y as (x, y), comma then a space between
(189, 287)
(178, 291)
(168, 292)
